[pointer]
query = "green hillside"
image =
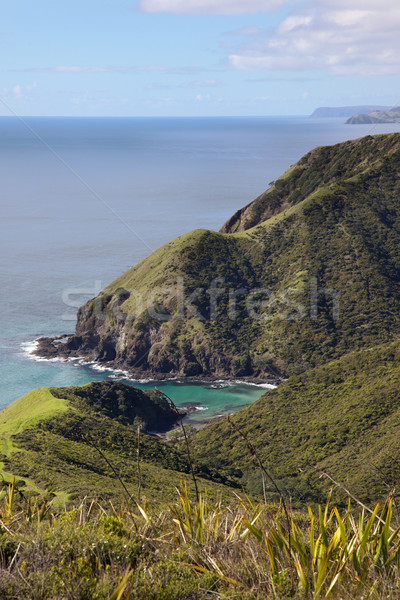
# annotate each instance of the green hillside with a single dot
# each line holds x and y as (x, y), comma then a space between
(78, 441)
(312, 272)
(29, 410)
(342, 418)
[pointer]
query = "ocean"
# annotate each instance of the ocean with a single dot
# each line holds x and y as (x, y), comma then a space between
(83, 199)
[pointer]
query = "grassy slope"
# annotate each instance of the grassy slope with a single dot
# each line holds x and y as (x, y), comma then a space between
(341, 227)
(50, 444)
(342, 418)
(28, 410)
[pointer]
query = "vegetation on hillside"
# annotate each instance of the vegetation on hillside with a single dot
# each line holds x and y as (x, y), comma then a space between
(324, 169)
(342, 419)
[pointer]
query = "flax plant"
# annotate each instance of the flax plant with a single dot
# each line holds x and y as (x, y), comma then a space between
(237, 550)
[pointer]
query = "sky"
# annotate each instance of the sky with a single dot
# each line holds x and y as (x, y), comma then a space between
(196, 57)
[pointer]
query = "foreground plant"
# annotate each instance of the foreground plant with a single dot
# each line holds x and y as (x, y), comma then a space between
(249, 547)
(194, 550)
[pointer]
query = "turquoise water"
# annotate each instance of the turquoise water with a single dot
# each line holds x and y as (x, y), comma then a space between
(84, 199)
(206, 400)
(210, 400)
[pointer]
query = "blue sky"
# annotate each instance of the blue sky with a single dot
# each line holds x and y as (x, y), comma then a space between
(196, 57)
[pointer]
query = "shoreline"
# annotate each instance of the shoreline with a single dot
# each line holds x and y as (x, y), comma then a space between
(38, 350)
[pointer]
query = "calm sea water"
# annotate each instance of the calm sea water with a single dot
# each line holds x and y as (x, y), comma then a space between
(84, 199)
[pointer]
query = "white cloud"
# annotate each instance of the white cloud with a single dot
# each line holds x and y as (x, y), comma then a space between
(203, 97)
(360, 38)
(113, 69)
(266, 62)
(209, 7)
(75, 69)
(293, 22)
(201, 84)
(19, 90)
(251, 30)
(94, 69)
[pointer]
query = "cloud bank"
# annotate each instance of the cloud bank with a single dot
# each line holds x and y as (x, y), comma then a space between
(18, 91)
(357, 39)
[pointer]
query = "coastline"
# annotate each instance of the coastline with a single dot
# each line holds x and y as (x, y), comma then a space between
(56, 349)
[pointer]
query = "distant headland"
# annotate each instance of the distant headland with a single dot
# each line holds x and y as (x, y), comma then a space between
(346, 111)
(376, 116)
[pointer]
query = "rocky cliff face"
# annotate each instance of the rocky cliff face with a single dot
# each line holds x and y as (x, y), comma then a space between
(171, 325)
(305, 273)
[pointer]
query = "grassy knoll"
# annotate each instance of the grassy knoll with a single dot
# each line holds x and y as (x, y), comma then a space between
(30, 409)
(22, 414)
